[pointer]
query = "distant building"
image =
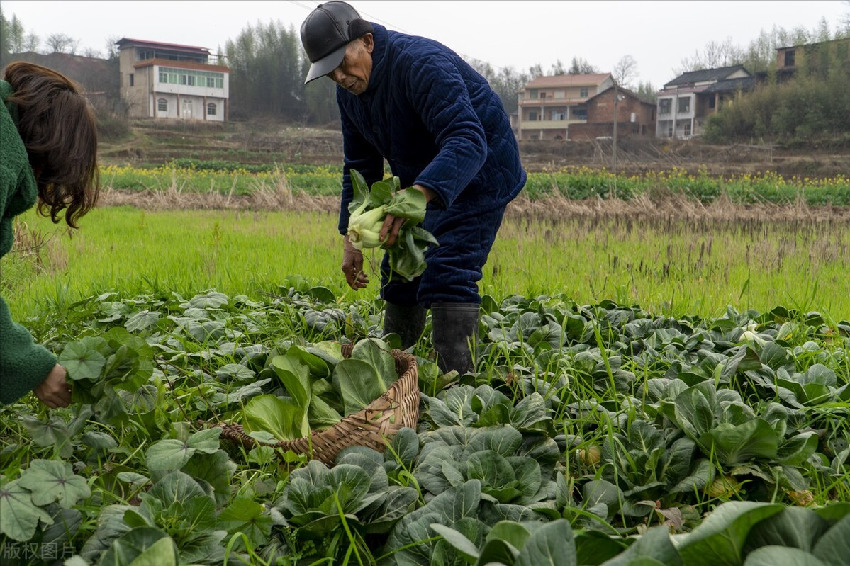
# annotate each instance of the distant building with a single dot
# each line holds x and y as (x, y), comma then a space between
(813, 57)
(685, 103)
(167, 80)
(548, 106)
(635, 116)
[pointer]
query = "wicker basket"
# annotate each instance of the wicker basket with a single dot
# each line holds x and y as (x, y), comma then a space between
(371, 427)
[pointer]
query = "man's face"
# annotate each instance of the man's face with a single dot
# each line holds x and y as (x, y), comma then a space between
(353, 73)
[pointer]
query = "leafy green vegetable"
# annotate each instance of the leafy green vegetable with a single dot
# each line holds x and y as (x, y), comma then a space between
(370, 207)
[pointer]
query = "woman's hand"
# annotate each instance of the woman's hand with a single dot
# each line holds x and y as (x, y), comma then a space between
(352, 266)
(54, 391)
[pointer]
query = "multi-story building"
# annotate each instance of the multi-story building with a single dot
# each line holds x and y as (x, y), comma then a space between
(167, 80)
(813, 57)
(548, 105)
(635, 116)
(686, 102)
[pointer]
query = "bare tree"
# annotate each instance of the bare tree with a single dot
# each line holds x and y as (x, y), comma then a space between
(111, 47)
(714, 55)
(845, 18)
(62, 43)
(625, 71)
(558, 69)
(31, 42)
(579, 66)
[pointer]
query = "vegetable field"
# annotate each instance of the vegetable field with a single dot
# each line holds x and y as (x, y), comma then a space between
(620, 413)
(588, 434)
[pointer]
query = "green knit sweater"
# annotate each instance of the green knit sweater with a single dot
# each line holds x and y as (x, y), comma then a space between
(23, 364)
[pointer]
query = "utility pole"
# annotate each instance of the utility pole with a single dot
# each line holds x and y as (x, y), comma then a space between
(614, 154)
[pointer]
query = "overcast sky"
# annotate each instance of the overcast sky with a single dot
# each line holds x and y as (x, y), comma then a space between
(504, 33)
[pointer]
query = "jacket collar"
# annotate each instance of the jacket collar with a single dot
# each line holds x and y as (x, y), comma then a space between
(379, 57)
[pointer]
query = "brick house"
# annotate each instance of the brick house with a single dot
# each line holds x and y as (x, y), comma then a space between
(813, 57)
(549, 106)
(168, 80)
(685, 103)
(635, 116)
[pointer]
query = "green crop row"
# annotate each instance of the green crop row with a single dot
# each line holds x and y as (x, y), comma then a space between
(577, 183)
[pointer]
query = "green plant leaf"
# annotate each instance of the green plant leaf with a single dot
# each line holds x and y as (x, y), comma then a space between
(134, 545)
(295, 376)
(169, 454)
(741, 443)
(19, 517)
(654, 544)
(359, 383)
(284, 418)
(457, 541)
(54, 480)
(84, 359)
(833, 547)
(719, 540)
(551, 544)
(782, 556)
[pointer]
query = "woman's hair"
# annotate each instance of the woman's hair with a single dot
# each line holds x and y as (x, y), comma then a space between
(59, 131)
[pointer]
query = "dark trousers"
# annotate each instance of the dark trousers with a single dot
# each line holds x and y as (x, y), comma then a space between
(466, 233)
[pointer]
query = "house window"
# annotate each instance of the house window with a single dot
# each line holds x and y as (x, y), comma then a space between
(670, 132)
(687, 129)
(583, 93)
(684, 105)
(211, 109)
(664, 105)
(190, 80)
(579, 113)
(711, 103)
(163, 76)
(131, 79)
(162, 105)
(789, 58)
(542, 94)
(211, 82)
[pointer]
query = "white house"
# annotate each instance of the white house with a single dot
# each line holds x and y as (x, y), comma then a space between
(167, 80)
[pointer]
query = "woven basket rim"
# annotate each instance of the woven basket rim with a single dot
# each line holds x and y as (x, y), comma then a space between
(388, 401)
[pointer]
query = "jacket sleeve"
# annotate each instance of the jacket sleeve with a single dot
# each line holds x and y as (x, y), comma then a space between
(361, 156)
(23, 363)
(437, 91)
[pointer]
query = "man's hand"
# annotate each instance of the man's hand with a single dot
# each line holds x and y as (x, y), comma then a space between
(54, 391)
(352, 266)
(392, 225)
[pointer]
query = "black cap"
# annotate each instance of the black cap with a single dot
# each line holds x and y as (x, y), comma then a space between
(325, 34)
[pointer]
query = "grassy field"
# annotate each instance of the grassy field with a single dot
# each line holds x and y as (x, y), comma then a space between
(667, 266)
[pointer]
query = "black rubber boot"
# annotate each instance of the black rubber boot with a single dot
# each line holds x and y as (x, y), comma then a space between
(455, 331)
(407, 322)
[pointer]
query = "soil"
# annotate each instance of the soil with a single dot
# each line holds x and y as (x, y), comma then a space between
(262, 142)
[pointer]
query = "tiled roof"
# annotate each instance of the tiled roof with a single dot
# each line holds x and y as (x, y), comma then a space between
(703, 75)
(125, 41)
(732, 85)
(627, 92)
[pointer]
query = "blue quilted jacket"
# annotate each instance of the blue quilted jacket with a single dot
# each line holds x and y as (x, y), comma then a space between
(437, 123)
